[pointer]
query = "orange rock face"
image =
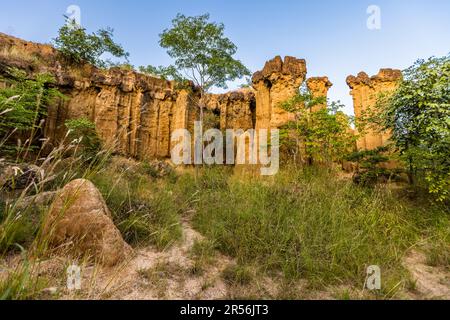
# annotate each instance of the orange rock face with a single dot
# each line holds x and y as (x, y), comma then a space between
(365, 91)
(276, 83)
(319, 87)
(133, 112)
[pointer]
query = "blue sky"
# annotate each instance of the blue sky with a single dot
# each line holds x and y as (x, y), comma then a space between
(331, 35)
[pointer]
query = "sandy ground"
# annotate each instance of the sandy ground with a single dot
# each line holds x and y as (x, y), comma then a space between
(431, 282)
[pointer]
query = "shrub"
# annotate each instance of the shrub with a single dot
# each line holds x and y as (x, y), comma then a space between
(84, 130)
(316, 136)
(370, 166)
(417, 114)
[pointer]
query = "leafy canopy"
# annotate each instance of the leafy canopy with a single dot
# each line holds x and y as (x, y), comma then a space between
(75, 43)
(418, 114)
(202, 53)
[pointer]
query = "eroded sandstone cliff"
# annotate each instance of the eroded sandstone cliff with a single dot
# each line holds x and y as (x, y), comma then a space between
(236, 110)
(277, 82)
(136, 113)
(365, 91)
(319, 86)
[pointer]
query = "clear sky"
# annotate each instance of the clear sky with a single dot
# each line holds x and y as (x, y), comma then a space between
(331, 35)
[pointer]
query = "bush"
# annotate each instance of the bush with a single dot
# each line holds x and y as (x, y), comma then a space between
(316, 136)
(370, 166)
(84, 131)
(23, 107)
(417, 113)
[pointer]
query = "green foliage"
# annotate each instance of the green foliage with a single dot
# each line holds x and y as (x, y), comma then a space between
(370, 169)
(78, 46)
(142, 214)
(21, 283)
(316, 135)
(418, 114)
(84, 130)
(238, 275)
(166, 73)
(16, 228)
(201, 51)
(23, 107)
(124, 66)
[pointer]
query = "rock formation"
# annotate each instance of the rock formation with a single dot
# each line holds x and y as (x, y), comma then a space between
(132, 111)
(319, 86)
(79, 216)
(277, 82)
(237, 109)
(365, 91)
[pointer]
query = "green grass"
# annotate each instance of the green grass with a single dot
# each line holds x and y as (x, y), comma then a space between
(22, 283)
(143, 211)
(309, 224)
(16, 229)
(301, 224)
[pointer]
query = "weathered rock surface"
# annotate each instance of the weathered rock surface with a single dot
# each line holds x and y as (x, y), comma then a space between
(133, 113)
(35, 202)
(365, 91)
(237, 109)
(79, 216)
(319, 87)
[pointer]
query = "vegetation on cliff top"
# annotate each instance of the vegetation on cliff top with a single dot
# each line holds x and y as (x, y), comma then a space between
(76, 44)
(202, 54)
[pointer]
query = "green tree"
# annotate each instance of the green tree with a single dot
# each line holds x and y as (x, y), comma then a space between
(202, 54)
(322, 135)
(23, 107)
(84, 130)
(418, 114)
(78, 46)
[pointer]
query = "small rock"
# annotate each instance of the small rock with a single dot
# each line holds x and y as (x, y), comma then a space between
(79, 215)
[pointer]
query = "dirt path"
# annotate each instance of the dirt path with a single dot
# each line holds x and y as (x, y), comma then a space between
(153, 274)
(431, 282)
